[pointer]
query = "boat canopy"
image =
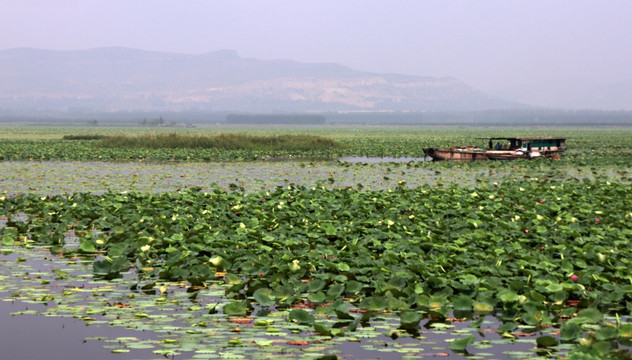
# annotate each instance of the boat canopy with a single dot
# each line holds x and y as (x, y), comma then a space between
(529, 143)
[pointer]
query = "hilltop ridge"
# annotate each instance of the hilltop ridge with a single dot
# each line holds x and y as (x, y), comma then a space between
(124, 79)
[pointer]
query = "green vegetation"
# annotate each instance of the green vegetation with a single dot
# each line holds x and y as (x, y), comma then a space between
(116, 144)
(297, 143)
(541, 247)
(535, 252)
(587, 146)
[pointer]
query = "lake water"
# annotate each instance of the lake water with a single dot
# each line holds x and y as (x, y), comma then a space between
(29, 337)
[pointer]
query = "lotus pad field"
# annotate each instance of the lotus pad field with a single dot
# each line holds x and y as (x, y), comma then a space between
(416, 260)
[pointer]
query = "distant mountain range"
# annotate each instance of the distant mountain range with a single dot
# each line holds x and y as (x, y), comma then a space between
(122, 79)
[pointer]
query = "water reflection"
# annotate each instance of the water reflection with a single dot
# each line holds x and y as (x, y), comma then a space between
(54, 338)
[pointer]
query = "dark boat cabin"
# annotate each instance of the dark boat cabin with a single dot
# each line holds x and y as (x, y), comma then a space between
(527, 144)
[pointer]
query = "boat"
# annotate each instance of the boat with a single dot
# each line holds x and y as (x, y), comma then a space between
(505, 148)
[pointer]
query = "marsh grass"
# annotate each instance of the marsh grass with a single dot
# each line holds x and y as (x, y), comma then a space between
(85, 137)
(222, 141)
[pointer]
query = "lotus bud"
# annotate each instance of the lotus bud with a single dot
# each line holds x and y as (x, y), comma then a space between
(294, 267)
(217, 261)
(602, 258)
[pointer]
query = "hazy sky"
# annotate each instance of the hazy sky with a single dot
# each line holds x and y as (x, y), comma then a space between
(488, 44)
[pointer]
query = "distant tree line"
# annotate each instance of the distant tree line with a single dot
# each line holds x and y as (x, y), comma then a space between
(156, 122)
(509, 117)
(285, 119)
(499, 117)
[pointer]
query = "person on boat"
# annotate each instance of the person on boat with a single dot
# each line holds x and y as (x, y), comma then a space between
(498, 146)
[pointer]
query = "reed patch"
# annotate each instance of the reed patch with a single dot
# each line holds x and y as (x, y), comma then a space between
(221, 141)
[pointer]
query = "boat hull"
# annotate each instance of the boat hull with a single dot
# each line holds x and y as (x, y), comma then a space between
(512, 155)
(455, 154)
